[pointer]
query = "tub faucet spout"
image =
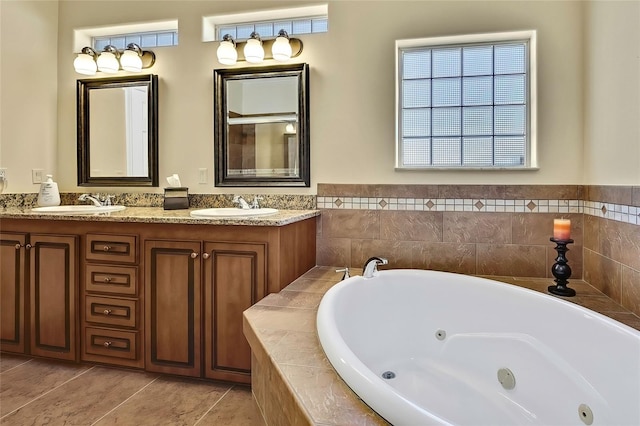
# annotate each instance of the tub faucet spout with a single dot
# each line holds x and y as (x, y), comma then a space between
(371, 266)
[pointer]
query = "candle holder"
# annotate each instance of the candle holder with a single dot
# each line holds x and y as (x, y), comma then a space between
(561, 270)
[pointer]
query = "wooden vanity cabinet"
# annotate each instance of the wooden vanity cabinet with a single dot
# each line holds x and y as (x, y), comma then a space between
(196, 292)
(13, 277)
(39, 294)
(112, 320)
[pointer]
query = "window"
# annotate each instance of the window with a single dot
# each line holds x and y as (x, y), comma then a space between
(267, 23)
(466, 102)
(144, 40)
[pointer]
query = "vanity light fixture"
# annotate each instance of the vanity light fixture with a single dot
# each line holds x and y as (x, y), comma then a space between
(85, 63)
(108, 60)
(227, 54)
(255, 50)
(111, 60)
(281, 48)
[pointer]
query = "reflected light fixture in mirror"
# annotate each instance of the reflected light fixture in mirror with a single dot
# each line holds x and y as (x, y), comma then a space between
(227, 54)
(253, 51)
(111, 60)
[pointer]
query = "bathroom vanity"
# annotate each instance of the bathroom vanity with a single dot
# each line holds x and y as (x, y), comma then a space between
(145, 288)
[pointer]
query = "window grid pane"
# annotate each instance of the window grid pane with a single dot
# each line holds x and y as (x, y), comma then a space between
(144, 40)
(268, 29)
(481, 116)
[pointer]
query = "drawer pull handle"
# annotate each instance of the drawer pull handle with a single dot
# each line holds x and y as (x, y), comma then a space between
(107, 312)
(107, 279)
(205, 255)
(194, 255)
(107, 344)
(106, 248)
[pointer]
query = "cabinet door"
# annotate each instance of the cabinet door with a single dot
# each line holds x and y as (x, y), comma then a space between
(12, 291)
(53, 266)
(235, 279)
(172, 307)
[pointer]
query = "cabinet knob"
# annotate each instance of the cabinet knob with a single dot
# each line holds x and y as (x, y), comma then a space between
(205, 255)
(18, 246)
(107, 344)
(106, 248)
(28, 246)
(107, 312)
(107, 279)
(194, 255)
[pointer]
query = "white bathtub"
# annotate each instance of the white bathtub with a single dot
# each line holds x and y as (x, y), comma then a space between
(446, 337)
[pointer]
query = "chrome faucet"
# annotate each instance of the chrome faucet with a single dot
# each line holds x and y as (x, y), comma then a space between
(242, 204)
(370, 267)
(94, 199)
(97, 199)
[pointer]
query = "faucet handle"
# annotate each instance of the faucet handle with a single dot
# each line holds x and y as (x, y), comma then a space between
(346, 272)
(107, 199)
(255, 203)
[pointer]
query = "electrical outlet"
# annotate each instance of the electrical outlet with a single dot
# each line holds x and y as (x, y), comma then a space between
(202, 175)
(36, 175)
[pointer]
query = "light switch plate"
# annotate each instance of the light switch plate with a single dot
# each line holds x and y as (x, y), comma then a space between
(36, 175)
(202, 175)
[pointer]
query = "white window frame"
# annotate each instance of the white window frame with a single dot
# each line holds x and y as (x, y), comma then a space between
(529, 36)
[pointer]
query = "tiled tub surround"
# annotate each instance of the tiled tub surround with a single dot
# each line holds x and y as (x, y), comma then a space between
(487, 230)
(293, 382)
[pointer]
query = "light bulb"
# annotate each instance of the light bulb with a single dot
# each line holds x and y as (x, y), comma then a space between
(131, 61)
(253, 51)
(85, 64)
(107, 62)
(281, 48)
(227, 54)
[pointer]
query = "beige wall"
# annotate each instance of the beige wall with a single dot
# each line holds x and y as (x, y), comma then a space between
(352, 86)
(28, 91)
(612, 93)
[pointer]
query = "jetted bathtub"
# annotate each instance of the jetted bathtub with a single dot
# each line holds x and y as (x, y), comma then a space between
(426, 347)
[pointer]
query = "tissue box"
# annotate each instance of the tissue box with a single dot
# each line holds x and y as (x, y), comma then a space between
(176, 198)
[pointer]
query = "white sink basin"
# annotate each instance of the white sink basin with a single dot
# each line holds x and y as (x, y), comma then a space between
(81, 209)
(231, 212)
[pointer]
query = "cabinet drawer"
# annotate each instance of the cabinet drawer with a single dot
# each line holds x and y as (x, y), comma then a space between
(111, 343)
(111, 311)
(111, 279)
(111, 248)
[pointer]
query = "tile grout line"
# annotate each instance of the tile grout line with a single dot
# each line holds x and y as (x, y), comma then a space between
(211, 408)
(123, 402)
(16, 366)
(48, 392)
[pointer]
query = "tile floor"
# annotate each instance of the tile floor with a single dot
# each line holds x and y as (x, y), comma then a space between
(43, 392)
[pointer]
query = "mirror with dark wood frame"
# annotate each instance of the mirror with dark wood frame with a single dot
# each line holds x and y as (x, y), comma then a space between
(118, 131)
(261, 126)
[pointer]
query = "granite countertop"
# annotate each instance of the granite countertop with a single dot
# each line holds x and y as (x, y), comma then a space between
(159, 215)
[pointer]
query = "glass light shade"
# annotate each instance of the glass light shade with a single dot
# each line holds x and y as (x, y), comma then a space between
(227, 54)
(107, 62)
(131, 61)
(281, 49)
(253, 51)
(85, 64)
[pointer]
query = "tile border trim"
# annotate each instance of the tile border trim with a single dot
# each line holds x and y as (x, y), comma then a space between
(617, 212)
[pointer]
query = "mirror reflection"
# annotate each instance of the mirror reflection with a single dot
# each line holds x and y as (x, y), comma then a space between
(117, 131)
(261, 126)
